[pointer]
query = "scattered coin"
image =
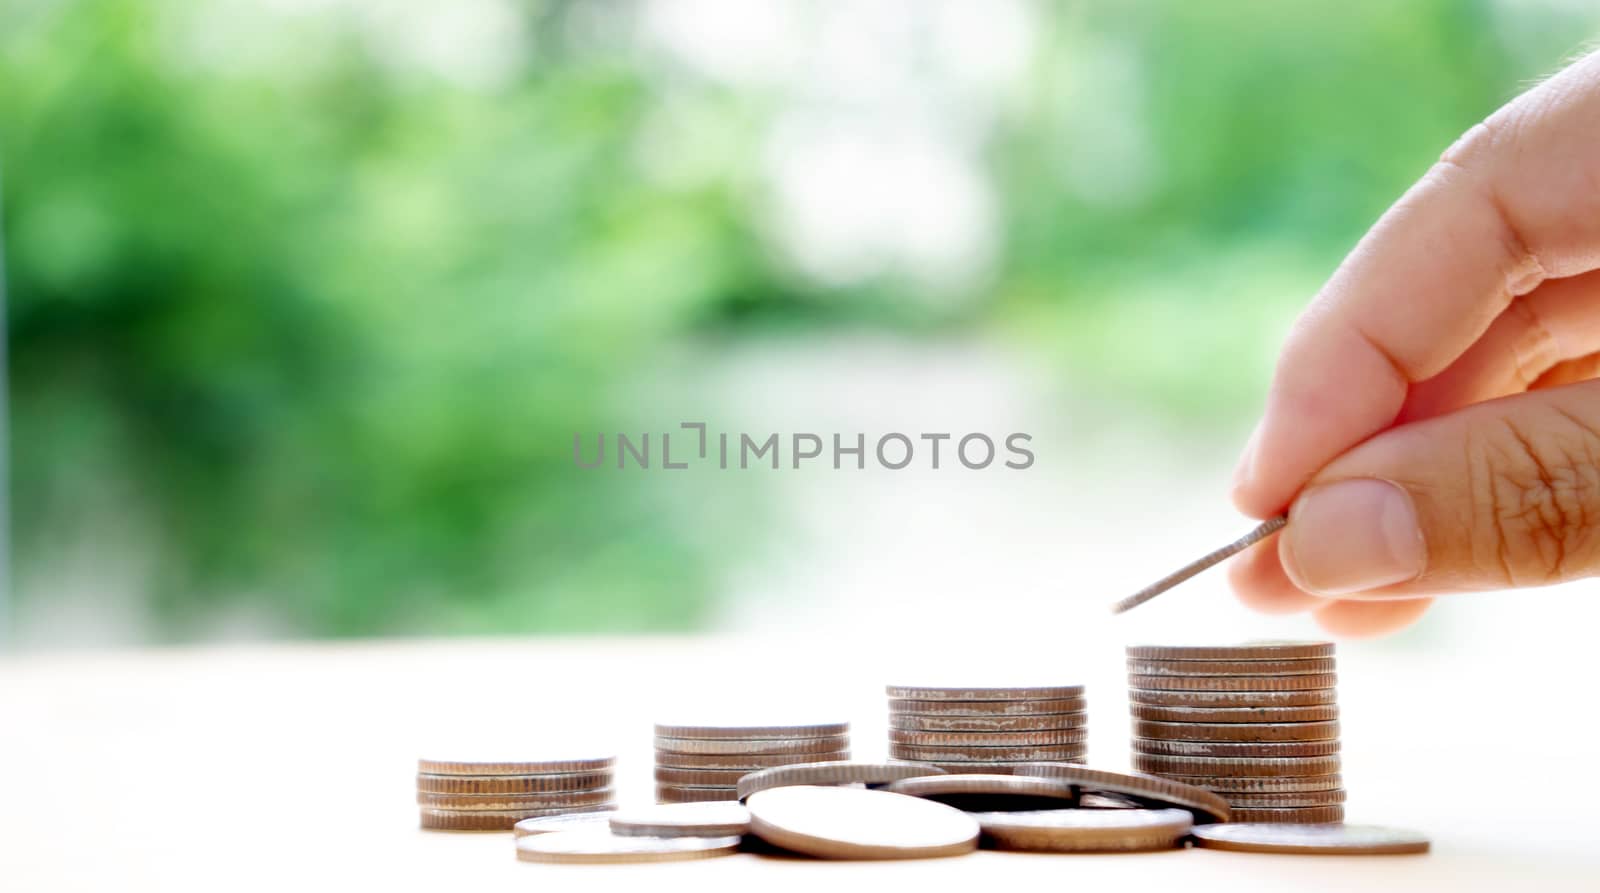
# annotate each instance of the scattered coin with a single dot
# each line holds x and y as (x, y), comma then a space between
(570, 821)
(591, 846)
(989, 793)
(1262, 650)
(1237, 766)
(536, 767)
(1304, 667)
(506, 802)
(1051, 692)
(744, 746)
(1317, 713)
(1287, 798)
(912, 722)
(988, 739)
(999, 767)
(1252, 732)
(1230, 786)
(1026, 707)
(682, 820)
(1236, 748)
(497, 820)
(1307, 698)
(667, 793)
(1233, 683)
(858, 823)
(1149, 790)
(748, 762)
(1085, 830)
(512, 784)
(831, 773)
(1339, 840)
(736, 733)
(1290, 815)
(952, 754)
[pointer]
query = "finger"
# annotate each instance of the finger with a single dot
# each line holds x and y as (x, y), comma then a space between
(1495, 495)
(1260, 583)
(1360, 619)
(1570, 372)
(1556, 322)
(1508, 205)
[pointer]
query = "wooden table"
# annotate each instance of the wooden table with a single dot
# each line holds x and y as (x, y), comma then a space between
(290, 767)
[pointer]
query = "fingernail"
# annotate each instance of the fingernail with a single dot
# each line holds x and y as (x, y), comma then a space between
(1352, 535)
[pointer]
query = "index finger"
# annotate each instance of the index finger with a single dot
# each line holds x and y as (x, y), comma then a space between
(1511, 203)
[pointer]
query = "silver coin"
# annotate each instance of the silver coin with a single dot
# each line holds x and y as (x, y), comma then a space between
(834, 772)
(1338, 840)
(1085, 830)
(591, 846)
(704, 819)
(857, 823)
(579, 821)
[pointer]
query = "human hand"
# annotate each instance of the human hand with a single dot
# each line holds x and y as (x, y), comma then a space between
(1432, 423)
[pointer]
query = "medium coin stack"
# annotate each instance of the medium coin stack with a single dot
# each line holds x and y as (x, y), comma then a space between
(1257, 723)
(989, 730)
(494, 796)
(702, 762)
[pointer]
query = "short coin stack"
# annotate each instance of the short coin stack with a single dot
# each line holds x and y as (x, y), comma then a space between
(705, 762)
(1257, 723)
(988, 730)
(494, 796)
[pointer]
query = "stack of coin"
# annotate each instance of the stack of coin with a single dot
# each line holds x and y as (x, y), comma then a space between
(1257, 723)
(494, 796)
(705, 762)
(988, 730)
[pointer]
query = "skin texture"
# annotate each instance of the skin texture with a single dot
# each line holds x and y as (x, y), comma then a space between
(1452, 355)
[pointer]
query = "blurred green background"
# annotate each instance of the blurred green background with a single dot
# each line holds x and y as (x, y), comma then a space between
(307, 298)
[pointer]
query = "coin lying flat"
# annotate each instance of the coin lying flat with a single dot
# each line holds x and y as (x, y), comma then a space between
(1085, 830)
(495, 820)
(1231, 667)
(535, 767)
(832, 773)
(1038, 693)
(1286, 798)
(512, 784)
(1255, 731)
(1262, 650)
(1236, 748)
(736, 733)
(1315, 713)
(748, 762)
(682, 820)
(999, 767)
(507, 802)
(1237, 766)
(1031, 707)
(912, 722)
(986, 793)
(743, 746)
(570, 821)
(590, 846)
(1150, 790)
(1338, 840)
(988, 739)
(667, 793)
(857, 823)
(1234, 683)
(952, 753)
(1223, 785)
(1290, 815)
(1306, 698)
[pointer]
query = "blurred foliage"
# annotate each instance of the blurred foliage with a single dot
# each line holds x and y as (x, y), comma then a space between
(314, 329)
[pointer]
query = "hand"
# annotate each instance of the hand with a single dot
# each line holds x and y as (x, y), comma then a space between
(1432, 423)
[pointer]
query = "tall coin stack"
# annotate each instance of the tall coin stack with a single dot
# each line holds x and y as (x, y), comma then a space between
(1257, 723)
(699, 762)
(991, 730)
(493, 796)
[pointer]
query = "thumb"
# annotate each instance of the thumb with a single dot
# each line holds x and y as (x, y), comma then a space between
(1496, 495)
